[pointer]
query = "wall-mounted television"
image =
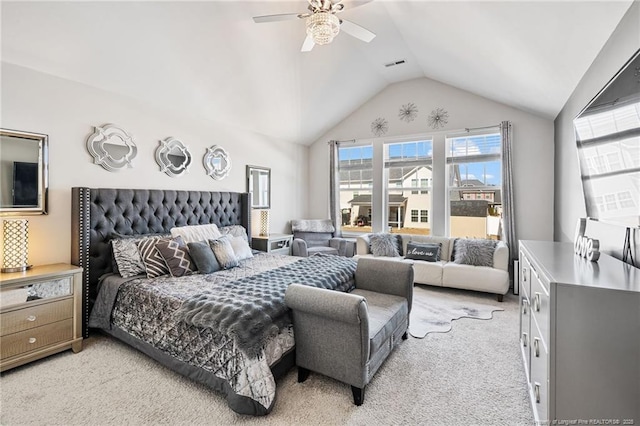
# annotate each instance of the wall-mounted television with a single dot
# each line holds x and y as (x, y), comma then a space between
(608, 140)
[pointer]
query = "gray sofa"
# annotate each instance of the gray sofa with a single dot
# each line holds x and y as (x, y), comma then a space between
(347, 336)
(445, 273)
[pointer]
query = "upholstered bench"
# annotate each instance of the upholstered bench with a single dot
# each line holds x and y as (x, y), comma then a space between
(347, 336)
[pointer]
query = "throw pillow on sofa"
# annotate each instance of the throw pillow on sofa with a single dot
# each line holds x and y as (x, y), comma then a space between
(474, 252)
(429, 252)
(383, 244)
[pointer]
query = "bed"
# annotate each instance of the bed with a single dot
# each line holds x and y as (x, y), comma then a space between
(178, 320)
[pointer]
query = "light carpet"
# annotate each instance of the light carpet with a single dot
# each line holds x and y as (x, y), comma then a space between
(472, 375)
(435, 308)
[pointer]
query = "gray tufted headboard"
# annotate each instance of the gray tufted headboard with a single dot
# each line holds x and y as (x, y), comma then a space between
(98, 213)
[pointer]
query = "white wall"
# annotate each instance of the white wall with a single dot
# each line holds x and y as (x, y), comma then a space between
(532, 150)
(569, 198)
(67, 111)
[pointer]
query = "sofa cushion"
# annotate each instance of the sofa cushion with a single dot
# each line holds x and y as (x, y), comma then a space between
(478, 278)
(314, 239)
(427, 272)
(429, 252)
(320, 249)
(386, 313)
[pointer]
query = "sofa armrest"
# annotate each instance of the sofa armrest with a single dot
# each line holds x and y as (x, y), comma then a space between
(363, 244)
(344, 246)
(501, 256)
(339, 306)
(386, 277)
(299, 248)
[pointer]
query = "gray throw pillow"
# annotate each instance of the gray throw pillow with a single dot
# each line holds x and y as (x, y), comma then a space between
(474, 252)
(153, 261)
(429, 252)
(223, 250)
(384, 244)
(176, 255)
(203, 257)
(127, 257)
(235, 231)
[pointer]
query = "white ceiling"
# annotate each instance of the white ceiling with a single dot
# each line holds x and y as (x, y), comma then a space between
(210, 60)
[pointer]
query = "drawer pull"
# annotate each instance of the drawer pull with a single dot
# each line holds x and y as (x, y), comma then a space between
(525, 302)
(32, 340)
(536, 346)
(31, 318)
(525, 339)
(524, 274)
(536, 392)
(536, 302)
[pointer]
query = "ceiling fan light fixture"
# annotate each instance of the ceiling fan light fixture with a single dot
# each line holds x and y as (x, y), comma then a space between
(322, 27)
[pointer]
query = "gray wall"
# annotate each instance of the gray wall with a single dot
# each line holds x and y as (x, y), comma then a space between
(569, 199)
(67, 111)
(532, 150)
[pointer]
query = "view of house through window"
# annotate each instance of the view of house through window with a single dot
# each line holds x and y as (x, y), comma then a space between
(475, 186)
(472, 193)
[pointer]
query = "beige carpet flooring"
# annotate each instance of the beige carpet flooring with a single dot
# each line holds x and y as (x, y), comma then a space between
(472, 375)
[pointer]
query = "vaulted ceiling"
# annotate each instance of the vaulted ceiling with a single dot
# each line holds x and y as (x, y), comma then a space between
(210, 60)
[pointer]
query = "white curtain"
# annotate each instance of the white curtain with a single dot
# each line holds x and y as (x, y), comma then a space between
(334, 187)
(508, 216)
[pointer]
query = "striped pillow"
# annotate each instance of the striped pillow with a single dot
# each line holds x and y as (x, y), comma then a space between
(153, 262)
(176, 255)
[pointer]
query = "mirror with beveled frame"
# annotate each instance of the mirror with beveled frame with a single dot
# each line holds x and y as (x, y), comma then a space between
(216, 162)
(24, 173)
(259, 185)
(173, 157)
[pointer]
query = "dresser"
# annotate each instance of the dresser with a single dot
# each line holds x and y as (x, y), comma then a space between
(40, 313)
(579, 335)
(273, 243)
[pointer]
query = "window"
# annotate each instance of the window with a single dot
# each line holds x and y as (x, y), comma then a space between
(625, 200)
(424, 216)
(474, 185)
(407, 171)
(355, 167)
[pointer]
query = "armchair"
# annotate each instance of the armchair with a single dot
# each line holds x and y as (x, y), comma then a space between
(347, 336)
(312, 236)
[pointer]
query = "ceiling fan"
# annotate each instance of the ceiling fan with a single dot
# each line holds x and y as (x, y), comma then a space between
(323, 23)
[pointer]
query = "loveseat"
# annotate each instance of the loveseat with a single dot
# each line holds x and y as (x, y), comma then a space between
(446, 272)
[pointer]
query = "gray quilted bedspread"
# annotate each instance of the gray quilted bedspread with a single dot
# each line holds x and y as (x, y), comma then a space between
(252, 309)
(146, 309)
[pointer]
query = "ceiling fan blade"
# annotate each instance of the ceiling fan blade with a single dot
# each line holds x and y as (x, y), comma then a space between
(275, 18)
(356, 31)
(307, 45)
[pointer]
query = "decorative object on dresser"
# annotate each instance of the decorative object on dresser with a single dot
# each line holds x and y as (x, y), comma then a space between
(15, 233)
(24, 186)
(273, 243)
(41, 312)
(579, 328)
(217, 162)
(173, 157)
(584, 246)
(112, 147)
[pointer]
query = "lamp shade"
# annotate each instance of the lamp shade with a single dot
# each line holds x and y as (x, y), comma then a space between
(15, 235)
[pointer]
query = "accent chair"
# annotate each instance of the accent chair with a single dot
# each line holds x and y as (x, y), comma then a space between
(311, 236)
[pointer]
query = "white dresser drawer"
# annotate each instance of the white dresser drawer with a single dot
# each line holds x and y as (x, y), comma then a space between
(539, 386)
(539, 297)
(525, 324)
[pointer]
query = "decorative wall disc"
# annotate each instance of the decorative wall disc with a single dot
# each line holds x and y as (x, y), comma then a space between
(112, 147)
(379, 126)
(408, 112)
(217, 162)
(438, 118)
(173, 157)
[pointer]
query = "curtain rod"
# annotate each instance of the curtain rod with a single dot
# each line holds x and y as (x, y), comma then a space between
(348, 140)
(468, 129)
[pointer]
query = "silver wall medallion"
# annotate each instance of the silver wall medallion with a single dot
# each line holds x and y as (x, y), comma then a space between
(173, 157)
(438, 118)
(217, 162)
(408, 112)
(111, 147)
(379, 126)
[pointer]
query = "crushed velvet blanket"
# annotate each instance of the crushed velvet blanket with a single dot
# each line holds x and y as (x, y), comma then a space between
(251, 310)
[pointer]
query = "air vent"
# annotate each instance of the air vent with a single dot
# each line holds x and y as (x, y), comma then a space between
(393, 64)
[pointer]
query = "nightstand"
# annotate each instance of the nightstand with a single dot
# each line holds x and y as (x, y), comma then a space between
(273, 243)
(40, 313)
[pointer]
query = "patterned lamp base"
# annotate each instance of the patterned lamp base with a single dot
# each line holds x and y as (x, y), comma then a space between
(15, 233)
(264, 223)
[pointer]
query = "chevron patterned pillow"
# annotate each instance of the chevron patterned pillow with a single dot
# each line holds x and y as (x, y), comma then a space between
(176, 255)
(153, 261)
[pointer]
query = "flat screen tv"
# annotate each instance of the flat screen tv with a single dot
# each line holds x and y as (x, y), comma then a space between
(25, 184)
(608, 140)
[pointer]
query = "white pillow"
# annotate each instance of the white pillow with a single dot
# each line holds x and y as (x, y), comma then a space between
(195, 233)
(241, 248)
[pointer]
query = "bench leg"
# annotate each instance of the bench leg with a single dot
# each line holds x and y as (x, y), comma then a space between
(405, 336)
(303, 373)
(358, 395)
(500, 297)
